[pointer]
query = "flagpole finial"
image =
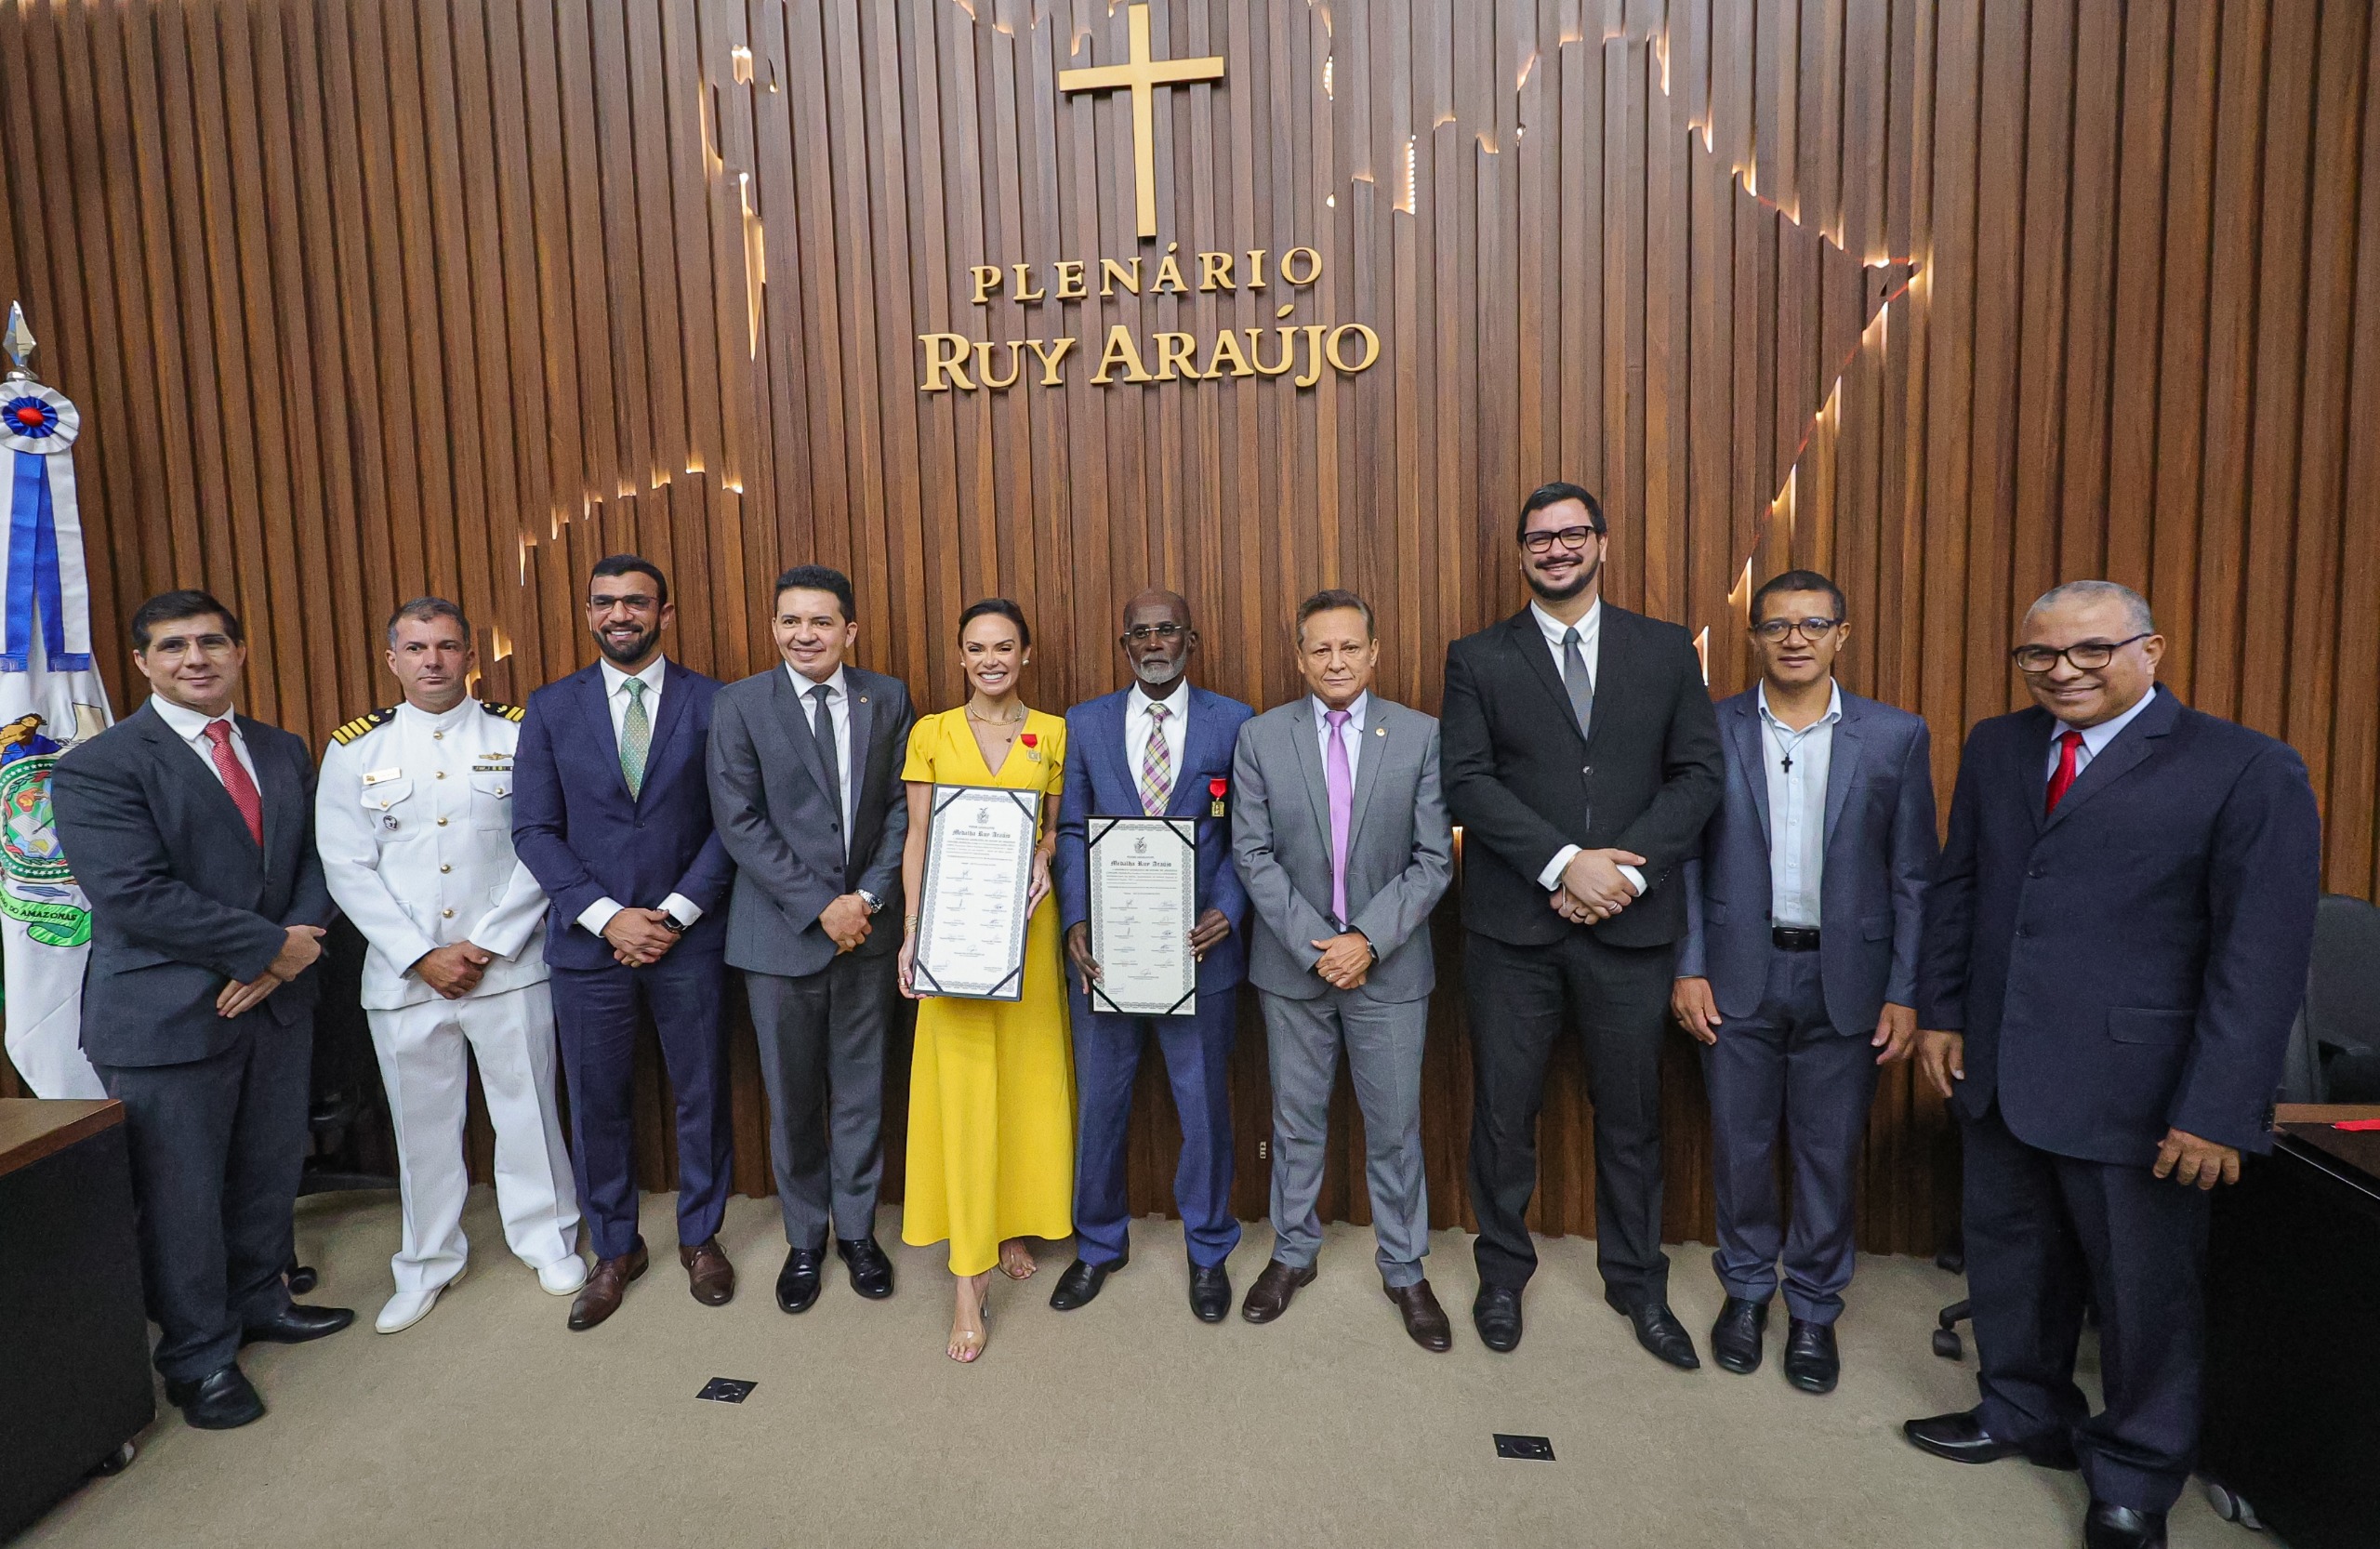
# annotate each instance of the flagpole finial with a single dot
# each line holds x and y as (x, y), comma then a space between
(18, 340)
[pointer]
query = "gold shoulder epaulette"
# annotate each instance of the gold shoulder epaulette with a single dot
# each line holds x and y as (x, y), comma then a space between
(363, 723)
(509, 712)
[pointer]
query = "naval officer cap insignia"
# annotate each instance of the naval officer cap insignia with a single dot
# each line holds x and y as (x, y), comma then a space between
(363, 724)
(502, 713)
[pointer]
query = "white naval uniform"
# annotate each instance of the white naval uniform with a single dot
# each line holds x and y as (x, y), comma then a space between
(413, 817)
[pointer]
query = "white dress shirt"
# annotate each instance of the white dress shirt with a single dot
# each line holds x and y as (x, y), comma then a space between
(839, 713)
(2095, 738)
(1590, 628)
(1354, 734)
(1797, 810)
(1138, 724)
(678, 907)
(190, 726)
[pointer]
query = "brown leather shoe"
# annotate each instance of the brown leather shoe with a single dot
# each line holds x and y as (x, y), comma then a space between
(1424, 1319)
(599, 1298)
(708, 1275)
(1269, 1297)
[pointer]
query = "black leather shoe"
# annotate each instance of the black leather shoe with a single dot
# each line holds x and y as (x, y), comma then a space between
(1083, 1282)
(1736, 1337)
(1811, 1363)
(219, 1401)
(1496, 1313)
(1961, 1438)
(2109, 1526)
(871, 1271)
(1658, 1331)
(296, 1325)
(798, 1281)
(1209, 1293)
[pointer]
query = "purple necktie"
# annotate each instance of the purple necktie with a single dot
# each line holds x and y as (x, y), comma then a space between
(1341, 781)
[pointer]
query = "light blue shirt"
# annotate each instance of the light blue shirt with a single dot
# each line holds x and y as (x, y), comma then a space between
(1797, 809)
(2095, 738)
(1354, 731)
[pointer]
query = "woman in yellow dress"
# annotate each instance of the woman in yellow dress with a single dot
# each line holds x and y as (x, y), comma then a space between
(992, 1088)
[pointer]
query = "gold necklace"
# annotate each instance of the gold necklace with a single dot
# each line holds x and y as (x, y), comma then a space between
(1016, 719)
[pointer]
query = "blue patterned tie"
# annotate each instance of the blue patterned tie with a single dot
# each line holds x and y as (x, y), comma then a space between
(636, 737)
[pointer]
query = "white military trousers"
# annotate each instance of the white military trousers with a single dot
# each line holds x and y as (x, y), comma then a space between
(424, 1066)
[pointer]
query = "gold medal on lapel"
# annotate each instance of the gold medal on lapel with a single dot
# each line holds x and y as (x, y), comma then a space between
(1215, 789)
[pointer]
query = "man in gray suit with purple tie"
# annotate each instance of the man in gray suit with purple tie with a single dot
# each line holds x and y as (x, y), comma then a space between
(1343, 844)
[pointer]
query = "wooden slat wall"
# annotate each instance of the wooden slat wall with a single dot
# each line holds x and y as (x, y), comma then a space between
(368, 297)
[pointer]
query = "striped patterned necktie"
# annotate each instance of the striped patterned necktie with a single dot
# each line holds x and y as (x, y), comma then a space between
(1156, 766)
(636, 737)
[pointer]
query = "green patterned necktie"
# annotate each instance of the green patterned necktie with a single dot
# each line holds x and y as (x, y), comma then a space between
(636, 737)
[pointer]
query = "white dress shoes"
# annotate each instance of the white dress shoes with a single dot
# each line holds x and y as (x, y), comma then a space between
(563, 1276)
(405, 1309)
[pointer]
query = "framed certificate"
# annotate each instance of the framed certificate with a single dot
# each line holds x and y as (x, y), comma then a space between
(979, 871)
(1144, 901)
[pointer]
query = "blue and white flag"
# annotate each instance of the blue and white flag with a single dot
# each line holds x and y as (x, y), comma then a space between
(49, 700)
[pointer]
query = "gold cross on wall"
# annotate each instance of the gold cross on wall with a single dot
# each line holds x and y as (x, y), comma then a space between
(1141, 73)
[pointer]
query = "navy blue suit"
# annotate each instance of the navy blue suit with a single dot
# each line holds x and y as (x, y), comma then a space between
(2127, 963)
(1102, 780)
(1794, 1039)
(578, 829)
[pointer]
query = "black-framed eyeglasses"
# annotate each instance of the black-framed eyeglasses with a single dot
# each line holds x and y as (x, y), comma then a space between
(1774, 629)
(1141, 634)
(2087, 655)
(635, 602)
(1569, 537)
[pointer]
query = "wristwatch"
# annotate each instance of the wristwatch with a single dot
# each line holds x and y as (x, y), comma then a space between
(875, 905)
(675, 926)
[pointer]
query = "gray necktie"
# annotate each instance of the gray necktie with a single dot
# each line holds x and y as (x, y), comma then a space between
(1574, 678)
(824, 728)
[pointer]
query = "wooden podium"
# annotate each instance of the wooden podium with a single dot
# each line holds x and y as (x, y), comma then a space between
(73, 1337)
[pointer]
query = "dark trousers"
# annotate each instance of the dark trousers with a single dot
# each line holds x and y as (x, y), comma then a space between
(1519, 999)
(1786, 1066)
(217, 1147)
(1196, 1051)
(596, 1018)
(2042, 1230)
(822, 1059)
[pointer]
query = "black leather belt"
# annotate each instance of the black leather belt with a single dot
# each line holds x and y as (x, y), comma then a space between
(1793, 938)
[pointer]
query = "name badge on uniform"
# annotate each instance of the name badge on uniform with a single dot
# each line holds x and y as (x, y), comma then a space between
(374, 777)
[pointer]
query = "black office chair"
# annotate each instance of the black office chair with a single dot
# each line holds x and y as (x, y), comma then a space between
(2334, 1048)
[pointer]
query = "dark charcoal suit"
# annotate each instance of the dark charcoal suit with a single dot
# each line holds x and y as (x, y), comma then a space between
(1524, 782)
(821, 1017)
(585, 839)
(1794, 1042)
(182, 902)
(2128, 962)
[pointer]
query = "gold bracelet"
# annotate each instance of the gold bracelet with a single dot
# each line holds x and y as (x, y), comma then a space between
(909, 922)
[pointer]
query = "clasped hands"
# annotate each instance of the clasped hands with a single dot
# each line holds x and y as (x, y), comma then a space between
(1346, 959)
(1592, 890)
(301, 945)
(2189, 1160)
(640, 937)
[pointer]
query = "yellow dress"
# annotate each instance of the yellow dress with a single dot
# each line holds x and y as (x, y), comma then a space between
(992, 1087)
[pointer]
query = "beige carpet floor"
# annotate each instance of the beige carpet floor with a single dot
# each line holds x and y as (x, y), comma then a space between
(1127, 1423)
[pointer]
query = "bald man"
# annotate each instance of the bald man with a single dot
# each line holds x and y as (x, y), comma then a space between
(1160, 748)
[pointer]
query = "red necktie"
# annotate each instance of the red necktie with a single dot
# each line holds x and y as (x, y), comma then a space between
(2068, 745)
(244, 790)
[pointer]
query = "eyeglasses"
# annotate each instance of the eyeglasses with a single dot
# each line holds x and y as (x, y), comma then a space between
(635, 602)
(1571, 537)
(1141, 634)
(2085, 656)
(1776, 629)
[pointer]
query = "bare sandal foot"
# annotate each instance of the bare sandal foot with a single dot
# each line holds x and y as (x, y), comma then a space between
(967, 1331)
(1016, 1260)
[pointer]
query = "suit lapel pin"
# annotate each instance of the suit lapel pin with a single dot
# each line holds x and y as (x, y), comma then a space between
(1380, 731)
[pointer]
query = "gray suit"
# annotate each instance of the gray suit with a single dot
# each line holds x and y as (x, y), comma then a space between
(821, 1015)
(1794, 1039)
(1400, 858)
(184, 901)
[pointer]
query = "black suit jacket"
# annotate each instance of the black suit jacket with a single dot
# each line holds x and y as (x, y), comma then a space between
(182, 900)
(1523, 783)
(2134, 960)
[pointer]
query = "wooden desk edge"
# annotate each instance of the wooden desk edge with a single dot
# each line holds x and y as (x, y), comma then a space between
(67, 1126)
